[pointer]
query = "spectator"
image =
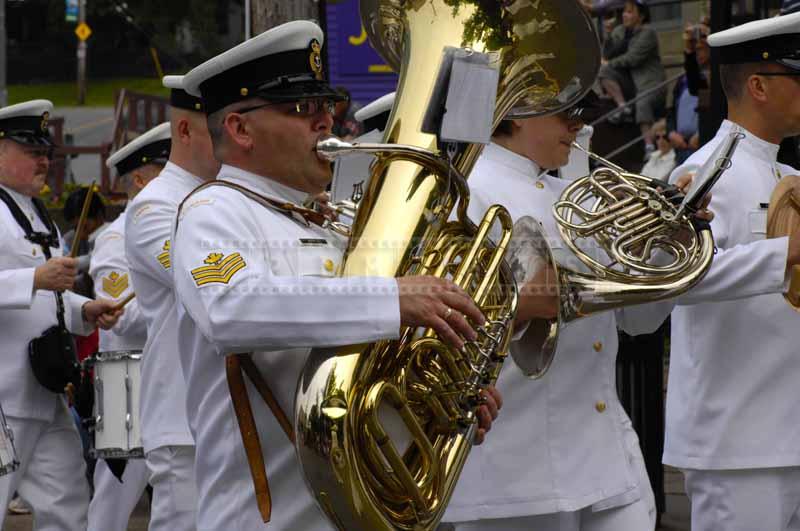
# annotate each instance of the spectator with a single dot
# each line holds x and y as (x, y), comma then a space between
(661, 162)
(683, 121)
(631, 65)
(345, 125)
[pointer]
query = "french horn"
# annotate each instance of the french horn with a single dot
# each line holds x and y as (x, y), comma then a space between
(634, 245)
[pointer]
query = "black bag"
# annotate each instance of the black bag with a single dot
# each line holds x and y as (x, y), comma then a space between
(53, 355)
(54, 359)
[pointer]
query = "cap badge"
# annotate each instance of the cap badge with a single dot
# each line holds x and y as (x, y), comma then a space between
(45, 118)
(315, 58)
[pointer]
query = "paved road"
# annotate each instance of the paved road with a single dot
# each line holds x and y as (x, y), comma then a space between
(89, 126)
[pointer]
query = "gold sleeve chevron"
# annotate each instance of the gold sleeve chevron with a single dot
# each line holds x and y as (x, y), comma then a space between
(163, 258)
(115, 284)
(219, 269)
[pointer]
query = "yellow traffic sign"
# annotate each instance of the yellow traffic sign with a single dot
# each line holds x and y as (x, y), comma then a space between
(83, 31)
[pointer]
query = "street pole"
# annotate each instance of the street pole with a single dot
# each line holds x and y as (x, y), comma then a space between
(3, 55)
(81, 56)
(248, 13)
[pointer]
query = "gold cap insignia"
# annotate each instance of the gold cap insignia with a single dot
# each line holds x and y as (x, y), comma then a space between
(315, 58)
(243, 91)
(219, 269)
(765, 55)
(45, 119)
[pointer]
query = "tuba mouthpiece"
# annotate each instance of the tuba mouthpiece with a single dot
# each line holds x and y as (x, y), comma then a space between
(330, 148)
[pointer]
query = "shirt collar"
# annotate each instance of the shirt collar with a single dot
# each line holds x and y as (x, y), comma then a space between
(21, 199)
(754, 145)
(522, 166)
(262, 185)
(183, 175)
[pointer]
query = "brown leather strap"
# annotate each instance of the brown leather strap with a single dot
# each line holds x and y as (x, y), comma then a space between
(247, 427)
(263, 389)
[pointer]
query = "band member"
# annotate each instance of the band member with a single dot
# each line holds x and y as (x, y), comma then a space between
(255, 272)
(34, 277)
(137, 163)
(731, 419)
(168, 445)
(568, 458)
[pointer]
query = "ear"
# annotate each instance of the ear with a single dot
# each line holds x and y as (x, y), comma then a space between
(139, 180)
(757, 86)
(184, 131)
(238, 131)
(516, 124)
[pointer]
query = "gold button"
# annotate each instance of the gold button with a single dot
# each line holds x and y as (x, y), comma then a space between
(329, 265)
(243, 91)
(598, 346)
(765, 55)
(539, 185)
(600, 406)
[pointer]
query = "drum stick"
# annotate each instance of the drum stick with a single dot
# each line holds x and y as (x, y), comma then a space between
(123, 302)
(82, 222)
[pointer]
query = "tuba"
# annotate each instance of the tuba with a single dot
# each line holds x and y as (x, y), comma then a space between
(383, 429)
(783, 218)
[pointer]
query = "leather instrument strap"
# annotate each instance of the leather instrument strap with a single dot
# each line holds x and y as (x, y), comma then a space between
(236, 366)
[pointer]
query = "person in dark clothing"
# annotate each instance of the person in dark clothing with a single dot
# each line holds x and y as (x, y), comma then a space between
(682, 122)
(631, 65)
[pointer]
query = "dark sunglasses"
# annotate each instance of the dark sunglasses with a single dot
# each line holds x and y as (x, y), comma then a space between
(298, 108)
(659, 136)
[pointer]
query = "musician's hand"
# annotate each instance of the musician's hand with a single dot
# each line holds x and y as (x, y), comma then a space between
(322, 201)
(488, 412)
(538, 297)
(439, 304)
(684, 182)
(101, 313)
(57, 274)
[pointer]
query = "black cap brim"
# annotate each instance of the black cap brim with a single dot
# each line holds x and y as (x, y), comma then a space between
(791, 64)
(299, 91)
(29, 139)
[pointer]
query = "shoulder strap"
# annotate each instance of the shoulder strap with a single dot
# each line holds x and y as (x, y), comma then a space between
(40, 238)
(290, 209)
(45, 240)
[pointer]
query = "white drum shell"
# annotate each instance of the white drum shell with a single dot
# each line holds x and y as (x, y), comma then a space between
(8, 454)
(117, 385)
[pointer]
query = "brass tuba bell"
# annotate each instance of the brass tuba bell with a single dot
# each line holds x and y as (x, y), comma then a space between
(384, 429)
(783, 218)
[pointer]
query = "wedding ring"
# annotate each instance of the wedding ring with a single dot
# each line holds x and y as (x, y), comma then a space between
(448, 313)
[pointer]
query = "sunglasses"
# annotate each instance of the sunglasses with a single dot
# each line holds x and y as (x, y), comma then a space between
(660, 136)
(302, 108)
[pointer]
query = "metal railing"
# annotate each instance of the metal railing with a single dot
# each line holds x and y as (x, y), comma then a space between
(639, 96)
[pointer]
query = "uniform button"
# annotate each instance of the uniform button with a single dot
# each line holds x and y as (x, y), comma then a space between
(600, 406)
(539, 185)
(598, 346)
(329, 265)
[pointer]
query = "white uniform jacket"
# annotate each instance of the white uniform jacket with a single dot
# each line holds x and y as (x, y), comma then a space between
(148, 228)
(111, 276)
(735, 365)
(25, 313)
(563, 442)
(249, 278)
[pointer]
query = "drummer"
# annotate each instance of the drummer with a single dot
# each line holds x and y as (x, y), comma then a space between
(136, 164)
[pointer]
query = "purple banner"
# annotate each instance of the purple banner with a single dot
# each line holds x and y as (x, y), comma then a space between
(349, 41)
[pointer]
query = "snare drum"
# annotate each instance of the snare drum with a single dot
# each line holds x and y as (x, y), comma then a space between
(117, 383)
(8, 454)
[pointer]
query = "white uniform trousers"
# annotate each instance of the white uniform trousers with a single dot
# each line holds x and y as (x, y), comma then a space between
(636, 516)
(766, 499)
(113, 502)
(174, 506)
(52, 473)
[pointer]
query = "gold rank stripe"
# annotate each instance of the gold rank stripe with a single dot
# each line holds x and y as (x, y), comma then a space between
(115, 285)
(221, 273)
(163, 259)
